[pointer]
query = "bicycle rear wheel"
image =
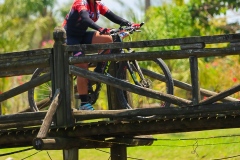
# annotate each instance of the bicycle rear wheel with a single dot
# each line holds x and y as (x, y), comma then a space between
(158, 77)
(39, 97)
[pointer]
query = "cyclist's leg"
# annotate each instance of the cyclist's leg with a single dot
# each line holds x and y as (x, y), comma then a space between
(97, 38)
(82, 83)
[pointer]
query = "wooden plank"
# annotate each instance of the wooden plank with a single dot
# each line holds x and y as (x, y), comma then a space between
(127, 86)
(22, 117)
(16, 73)
(193, 46)
(60, 143)
(24, 87)
(49, 116)
(20, 124)
(171, 54)
(161, 111)
(174, 124)
(230, 107)
(171, 125)
(28, 53)
(15, 59)
(157, 43)
(27, 64)
(184, 85)
(221, 95)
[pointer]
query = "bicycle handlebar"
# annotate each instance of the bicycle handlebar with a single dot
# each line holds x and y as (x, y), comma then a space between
(130, 29)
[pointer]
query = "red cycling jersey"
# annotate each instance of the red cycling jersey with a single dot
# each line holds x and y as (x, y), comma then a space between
(76, 22)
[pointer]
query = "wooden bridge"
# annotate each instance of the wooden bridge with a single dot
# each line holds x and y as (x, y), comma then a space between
(123, 128)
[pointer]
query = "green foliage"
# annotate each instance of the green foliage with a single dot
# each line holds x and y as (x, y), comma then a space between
(25, 24)
(173, 21)
(206, 10)
(27, 21)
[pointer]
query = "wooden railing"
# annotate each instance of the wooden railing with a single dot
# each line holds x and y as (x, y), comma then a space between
(60, 62)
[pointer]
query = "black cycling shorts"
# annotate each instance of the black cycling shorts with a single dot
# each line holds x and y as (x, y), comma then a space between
(85, 39)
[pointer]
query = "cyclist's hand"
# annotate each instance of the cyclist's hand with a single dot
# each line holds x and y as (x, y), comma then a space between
(136, 25)
(104, 30)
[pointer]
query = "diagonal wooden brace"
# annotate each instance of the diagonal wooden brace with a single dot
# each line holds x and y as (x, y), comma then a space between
(49, 116)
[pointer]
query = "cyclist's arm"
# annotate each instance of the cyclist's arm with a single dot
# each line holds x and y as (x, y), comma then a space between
(116, 19)
(86, 21)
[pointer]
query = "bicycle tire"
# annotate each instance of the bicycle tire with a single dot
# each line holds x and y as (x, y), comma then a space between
(43, 99)
(130, 100)
(44, 96)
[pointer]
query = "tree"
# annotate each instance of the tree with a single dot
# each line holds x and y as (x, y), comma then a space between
(25, 26)
(147, 4)
(207, 10)
(173, 21)
(28, 21)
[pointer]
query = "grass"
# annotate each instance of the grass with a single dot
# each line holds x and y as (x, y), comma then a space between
(215, 144)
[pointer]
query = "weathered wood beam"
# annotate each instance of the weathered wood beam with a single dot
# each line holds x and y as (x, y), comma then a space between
(171, 54)
(26, 64)
(161, 111)
(16, 73)
(217, 116)
(16, 59)
(157, 43)
(185, 86)
(25, 87)
(28, 53)
(127, 86)
(49, 116)
(60, 143)
(193, 60)
(20, 124)
(172, 125)
(221, 95)
(192, 46)
(221, 108)
(22, 117)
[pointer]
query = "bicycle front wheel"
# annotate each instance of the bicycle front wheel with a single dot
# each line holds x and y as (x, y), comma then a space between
(157, 77)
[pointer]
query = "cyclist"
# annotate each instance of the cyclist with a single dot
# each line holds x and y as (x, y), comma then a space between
(84, 14)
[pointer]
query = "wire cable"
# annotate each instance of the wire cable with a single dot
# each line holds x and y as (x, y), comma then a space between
(19, 151)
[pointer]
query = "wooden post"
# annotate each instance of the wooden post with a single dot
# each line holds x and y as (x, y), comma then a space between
(194, 78)
(193, 60)
(63, 80)
(118, 152)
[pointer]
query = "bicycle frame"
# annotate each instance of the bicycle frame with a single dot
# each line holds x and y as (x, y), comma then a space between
(119, 38)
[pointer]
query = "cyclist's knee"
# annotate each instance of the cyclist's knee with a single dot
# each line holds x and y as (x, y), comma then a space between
(107, 38)
(97, 38)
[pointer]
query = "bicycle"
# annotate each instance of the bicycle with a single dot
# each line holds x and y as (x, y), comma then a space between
(143, 74)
